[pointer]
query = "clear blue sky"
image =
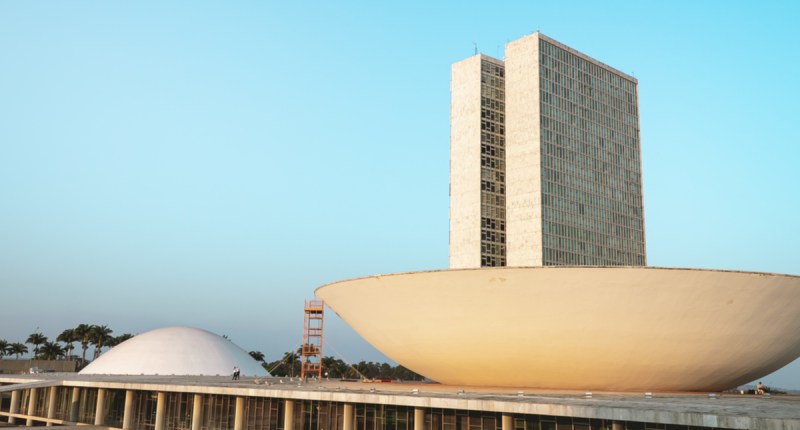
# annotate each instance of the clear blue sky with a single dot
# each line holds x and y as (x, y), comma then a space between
(211, 163)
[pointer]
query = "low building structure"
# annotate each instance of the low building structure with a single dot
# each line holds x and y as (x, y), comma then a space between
(17, 367)
(208, 402)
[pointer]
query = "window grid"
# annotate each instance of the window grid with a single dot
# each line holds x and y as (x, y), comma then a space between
(592, 210)
(493, 193)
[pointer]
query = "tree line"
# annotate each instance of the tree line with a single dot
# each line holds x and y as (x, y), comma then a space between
(332, 367)
(98, 336)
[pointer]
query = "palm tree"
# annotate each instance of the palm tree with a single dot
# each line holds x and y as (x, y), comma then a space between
(82, 332)
(291, 359)
(334, 367)
(3, 348)
(257, 355)
(118, 340)
(52, 351)
(17, 349)
(69, 337)
(36, 339)
(100, 336)
(285, 366)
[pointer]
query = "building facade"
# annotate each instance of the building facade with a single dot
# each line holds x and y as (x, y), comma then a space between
(545, 163)
(207, 403)
(477, 163)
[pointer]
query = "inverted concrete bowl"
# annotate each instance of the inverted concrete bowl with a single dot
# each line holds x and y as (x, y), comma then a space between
(599, 328)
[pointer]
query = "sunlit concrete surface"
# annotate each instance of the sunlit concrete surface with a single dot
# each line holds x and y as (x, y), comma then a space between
(175, 351)
(582, 328)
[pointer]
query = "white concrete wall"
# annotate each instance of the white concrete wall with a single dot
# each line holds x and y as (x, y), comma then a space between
(465, 163)
(523, 153)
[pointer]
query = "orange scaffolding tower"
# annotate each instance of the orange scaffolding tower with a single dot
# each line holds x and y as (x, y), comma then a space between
(311, 349)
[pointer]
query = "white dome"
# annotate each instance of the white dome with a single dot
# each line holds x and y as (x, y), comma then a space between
(175, 351)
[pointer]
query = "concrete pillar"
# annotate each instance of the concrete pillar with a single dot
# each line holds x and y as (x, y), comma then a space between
(32, 405)
(14, 406)
(288, 415)
(51, 404)
(75, 404)
(616, 425)
(419, 419)
(161, 409)
(238, 418)
(349, 420)
(100, 408)
(508, 422)
(127, 414)
(197, 412)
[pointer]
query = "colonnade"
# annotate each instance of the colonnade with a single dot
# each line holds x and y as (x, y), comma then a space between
(16, 416)
(30, 418)
(57, 405)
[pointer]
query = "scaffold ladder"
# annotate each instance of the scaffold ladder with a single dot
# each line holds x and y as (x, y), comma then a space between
(311, 348)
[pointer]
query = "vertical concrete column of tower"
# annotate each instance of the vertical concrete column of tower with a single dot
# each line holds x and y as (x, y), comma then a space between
(523, 153)
(465, 158)
(477, 163)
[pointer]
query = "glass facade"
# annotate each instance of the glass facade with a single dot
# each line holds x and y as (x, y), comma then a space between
(592, 210)
(179, 410)
(493, 182)
(40, 405)
(114, 408)
(87, 403)
(63, 401)
(264, 413)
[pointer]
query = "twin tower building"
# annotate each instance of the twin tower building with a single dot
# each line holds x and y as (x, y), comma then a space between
(545, 160)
